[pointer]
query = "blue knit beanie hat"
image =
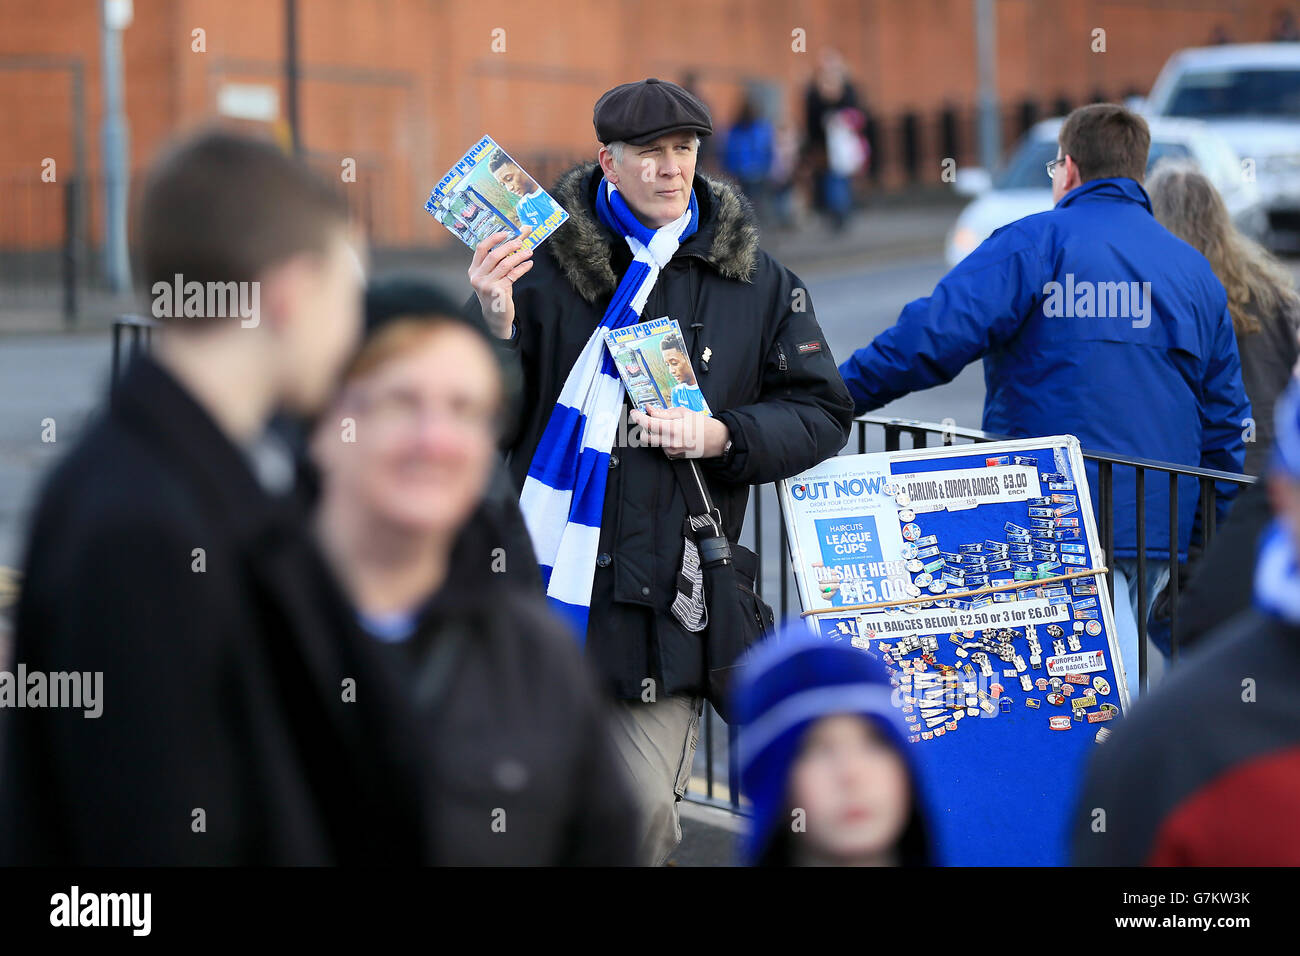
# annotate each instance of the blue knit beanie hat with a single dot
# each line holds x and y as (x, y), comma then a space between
(786, 685)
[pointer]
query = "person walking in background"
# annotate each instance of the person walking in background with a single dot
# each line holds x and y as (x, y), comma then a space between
(244, 720)
(1262, 298)
(748, 152)
(1206, 770)
(1285, 27)
(523, 770)
(824, 760)
(785, 172)
(834, 148)
(1265, 313)
(1092, 320)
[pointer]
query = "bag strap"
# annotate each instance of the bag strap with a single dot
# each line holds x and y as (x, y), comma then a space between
(705, 519)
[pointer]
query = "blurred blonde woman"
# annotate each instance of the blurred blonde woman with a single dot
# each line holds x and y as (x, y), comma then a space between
(1261, 292)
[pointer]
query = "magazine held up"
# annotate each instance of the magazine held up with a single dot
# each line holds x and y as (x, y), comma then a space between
(488, 192)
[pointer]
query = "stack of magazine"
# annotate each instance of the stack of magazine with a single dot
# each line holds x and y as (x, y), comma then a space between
(655, 367)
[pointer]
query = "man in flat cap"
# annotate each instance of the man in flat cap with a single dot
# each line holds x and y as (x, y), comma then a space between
(650, 237)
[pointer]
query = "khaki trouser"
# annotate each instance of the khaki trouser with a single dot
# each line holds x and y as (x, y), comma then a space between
(657, 745)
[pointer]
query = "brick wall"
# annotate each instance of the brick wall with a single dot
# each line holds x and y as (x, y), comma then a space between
(402, 86)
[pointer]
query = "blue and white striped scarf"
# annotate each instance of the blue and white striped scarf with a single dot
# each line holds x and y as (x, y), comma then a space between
(1277, 574)
(564, 494)
(1277, 578)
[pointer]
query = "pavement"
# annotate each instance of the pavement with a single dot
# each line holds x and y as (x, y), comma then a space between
(710, 837)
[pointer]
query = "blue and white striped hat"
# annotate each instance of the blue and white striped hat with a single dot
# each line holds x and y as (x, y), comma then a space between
(787, 684)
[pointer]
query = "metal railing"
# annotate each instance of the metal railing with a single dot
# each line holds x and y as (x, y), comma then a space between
(880, 433)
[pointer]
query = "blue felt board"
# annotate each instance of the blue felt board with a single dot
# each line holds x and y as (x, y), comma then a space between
(1002, 790)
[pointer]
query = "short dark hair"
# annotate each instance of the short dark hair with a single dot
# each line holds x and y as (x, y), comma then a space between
(220, 206)
(1105, 141)
(499, 159)
(672, 341)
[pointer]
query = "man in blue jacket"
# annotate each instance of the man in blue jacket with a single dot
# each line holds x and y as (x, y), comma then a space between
(1092, 320)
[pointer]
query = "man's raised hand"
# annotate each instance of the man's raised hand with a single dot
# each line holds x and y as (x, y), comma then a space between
(492, 275)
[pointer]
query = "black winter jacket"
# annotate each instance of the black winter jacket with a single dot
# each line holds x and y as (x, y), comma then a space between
(769, 377)
(521, 763)
(224, 682)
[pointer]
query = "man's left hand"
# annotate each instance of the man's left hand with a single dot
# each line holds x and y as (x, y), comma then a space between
(683, 433)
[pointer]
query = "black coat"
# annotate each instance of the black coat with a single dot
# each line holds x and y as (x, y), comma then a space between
(1222, 582)
(223, 688)
(770, 377)
(521, 762)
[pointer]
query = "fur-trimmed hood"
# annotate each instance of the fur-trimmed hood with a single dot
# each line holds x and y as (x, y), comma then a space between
(582, 246)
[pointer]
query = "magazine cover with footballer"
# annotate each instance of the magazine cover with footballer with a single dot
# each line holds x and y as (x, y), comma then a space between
(487, 192)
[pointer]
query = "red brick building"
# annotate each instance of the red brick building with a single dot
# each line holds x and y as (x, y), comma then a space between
(402, 86)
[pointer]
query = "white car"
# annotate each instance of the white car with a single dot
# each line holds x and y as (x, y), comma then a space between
(1023, 188)
(1250, 95)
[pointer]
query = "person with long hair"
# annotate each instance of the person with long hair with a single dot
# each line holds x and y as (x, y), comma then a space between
(1265, 312)
(1262, 297)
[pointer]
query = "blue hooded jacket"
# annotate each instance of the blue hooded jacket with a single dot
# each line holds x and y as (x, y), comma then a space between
(1093, 320)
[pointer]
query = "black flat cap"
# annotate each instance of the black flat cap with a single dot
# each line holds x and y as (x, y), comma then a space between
(641, 112)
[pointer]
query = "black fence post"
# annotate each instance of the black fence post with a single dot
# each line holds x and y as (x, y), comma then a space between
(911, 136)
(891, 437)
(1173, 567)
(1142, 576)
(138, 333)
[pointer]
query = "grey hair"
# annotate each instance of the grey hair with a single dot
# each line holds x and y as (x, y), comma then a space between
(616, 148)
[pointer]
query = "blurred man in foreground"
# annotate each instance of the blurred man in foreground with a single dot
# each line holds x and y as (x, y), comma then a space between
(242, 720)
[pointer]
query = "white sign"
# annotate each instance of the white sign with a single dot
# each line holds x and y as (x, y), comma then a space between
(965, 488)
(249, 101)
(118, 14)
(1084, 663)
(934, 620)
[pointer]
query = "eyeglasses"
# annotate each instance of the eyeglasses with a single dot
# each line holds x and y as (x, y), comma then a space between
(1051, 166)
(403, 411)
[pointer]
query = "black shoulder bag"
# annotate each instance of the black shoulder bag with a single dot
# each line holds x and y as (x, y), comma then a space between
(716, 588)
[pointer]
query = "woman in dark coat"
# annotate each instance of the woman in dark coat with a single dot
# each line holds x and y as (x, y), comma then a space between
(520, 768)
(1266, 319)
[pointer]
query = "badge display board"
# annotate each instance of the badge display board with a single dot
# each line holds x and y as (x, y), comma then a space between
(991, 544)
